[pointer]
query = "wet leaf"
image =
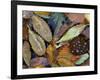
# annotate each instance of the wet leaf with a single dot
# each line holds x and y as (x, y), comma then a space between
(72, 33)
(26, 53)
(82, 59)
(37, 43)
(42, 28)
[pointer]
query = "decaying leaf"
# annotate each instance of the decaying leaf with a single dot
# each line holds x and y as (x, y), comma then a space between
(50, 53)
(39, 62)
(79, 45)
(86, 32)
(87, 16)
(82, 59)
(25, 32)
(64, 62)
(42, 28)
(72, 32)
(76, 17)
(59, 22)
(43, 14)
(26, 53)
(27, 14)
(63, 50)
(37, 43)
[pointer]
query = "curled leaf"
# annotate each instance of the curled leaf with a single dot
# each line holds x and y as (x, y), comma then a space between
(72, 33)
(37, 43)
(82, 59)
(26, 53)
(42, 28)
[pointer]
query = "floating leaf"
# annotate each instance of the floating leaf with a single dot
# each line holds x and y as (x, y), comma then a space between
(72, 32)
(42, 28)
(26, 53)
(37, 43)
(82, 59)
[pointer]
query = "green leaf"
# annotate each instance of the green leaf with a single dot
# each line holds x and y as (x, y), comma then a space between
(72, 32)
(82, 59)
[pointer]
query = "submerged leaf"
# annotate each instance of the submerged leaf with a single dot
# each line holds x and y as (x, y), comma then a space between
(82, 59)
(42, 28)
(72, 32)
(26, 53)
(37, 43)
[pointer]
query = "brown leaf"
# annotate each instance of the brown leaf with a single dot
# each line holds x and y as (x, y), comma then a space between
(37, 43)
(26, 53)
